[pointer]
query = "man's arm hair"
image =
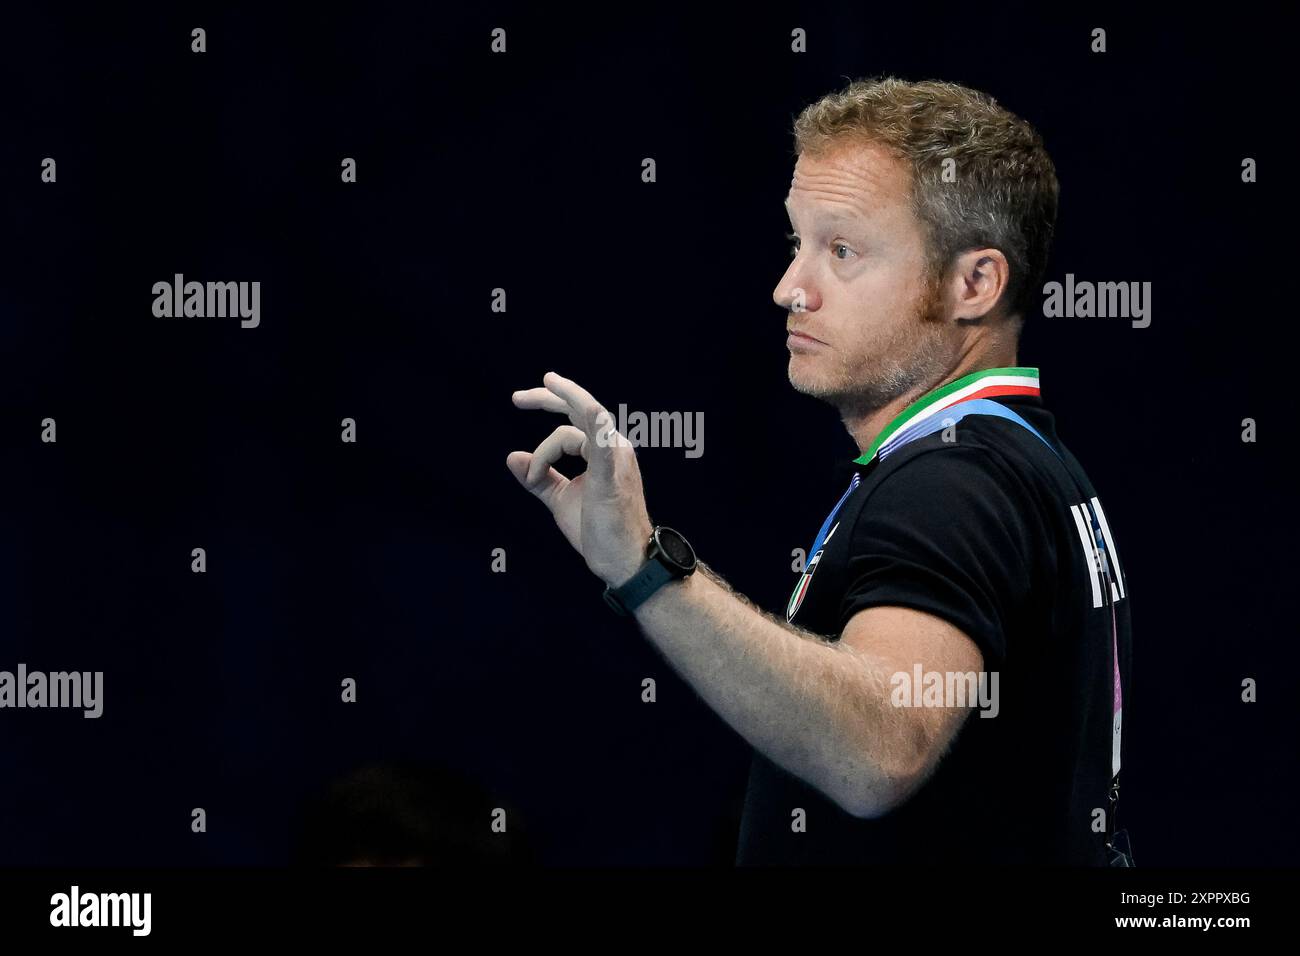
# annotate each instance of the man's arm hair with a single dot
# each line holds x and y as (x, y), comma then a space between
(820, 709)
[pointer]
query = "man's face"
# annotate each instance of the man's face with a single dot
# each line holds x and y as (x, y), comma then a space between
(857, 285)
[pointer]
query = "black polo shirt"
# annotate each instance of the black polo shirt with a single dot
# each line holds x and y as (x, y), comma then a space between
(983, 525)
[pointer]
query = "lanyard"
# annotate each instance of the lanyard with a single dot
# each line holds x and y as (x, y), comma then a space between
(815, 553)
(826, 525)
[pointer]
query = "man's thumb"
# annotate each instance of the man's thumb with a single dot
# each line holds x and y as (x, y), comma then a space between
(518, 462)
(545, 485)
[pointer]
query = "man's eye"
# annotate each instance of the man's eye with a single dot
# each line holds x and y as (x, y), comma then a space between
(794, 249)
(840, 245)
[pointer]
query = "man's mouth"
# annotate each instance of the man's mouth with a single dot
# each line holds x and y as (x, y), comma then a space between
(804, 335)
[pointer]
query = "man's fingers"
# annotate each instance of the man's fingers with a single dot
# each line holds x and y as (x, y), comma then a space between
(549, 401)
(594, 419)
(565, 440)
(565, 396)
(534, 471)
(518, 462)
(577, 398)
(542, 398)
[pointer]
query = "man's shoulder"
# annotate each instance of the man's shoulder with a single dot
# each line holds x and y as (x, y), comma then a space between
(1021, 453)
(950, 463)
(987, 472)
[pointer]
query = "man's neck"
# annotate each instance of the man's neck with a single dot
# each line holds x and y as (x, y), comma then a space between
(864, 428)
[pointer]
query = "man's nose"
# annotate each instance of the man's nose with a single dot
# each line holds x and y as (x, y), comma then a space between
(794, 294)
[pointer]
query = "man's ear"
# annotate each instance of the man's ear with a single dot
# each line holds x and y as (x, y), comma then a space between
(978, 283)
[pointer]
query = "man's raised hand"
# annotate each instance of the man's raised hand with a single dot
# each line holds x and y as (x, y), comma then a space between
(602, 511)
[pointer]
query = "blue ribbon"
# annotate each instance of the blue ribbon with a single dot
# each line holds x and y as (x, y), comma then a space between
(953, 414)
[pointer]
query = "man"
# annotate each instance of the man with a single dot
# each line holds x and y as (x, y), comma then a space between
(969, 561)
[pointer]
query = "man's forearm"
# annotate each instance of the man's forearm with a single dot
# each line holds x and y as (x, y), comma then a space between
(819, 709)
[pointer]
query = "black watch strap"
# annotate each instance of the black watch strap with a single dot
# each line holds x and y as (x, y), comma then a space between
(668, 557)
(634, 592)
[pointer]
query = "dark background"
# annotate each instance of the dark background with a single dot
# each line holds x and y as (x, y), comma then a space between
(522, 171)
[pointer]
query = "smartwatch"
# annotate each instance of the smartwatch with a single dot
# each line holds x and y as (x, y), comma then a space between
(668, 558)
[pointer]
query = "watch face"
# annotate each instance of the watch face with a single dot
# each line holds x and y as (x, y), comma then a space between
(676, 549)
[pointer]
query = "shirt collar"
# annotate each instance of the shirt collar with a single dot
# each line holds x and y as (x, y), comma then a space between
(986, 383)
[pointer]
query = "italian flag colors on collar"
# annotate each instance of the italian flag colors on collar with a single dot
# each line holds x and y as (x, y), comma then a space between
(987, 383)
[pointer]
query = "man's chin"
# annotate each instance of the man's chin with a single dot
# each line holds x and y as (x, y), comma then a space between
(850, 400)
(806, 383)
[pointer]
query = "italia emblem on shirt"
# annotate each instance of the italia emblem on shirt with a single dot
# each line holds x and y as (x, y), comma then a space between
(802, 587)
(817, 549)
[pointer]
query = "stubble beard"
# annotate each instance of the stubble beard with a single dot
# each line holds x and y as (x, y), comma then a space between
(913, 358)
